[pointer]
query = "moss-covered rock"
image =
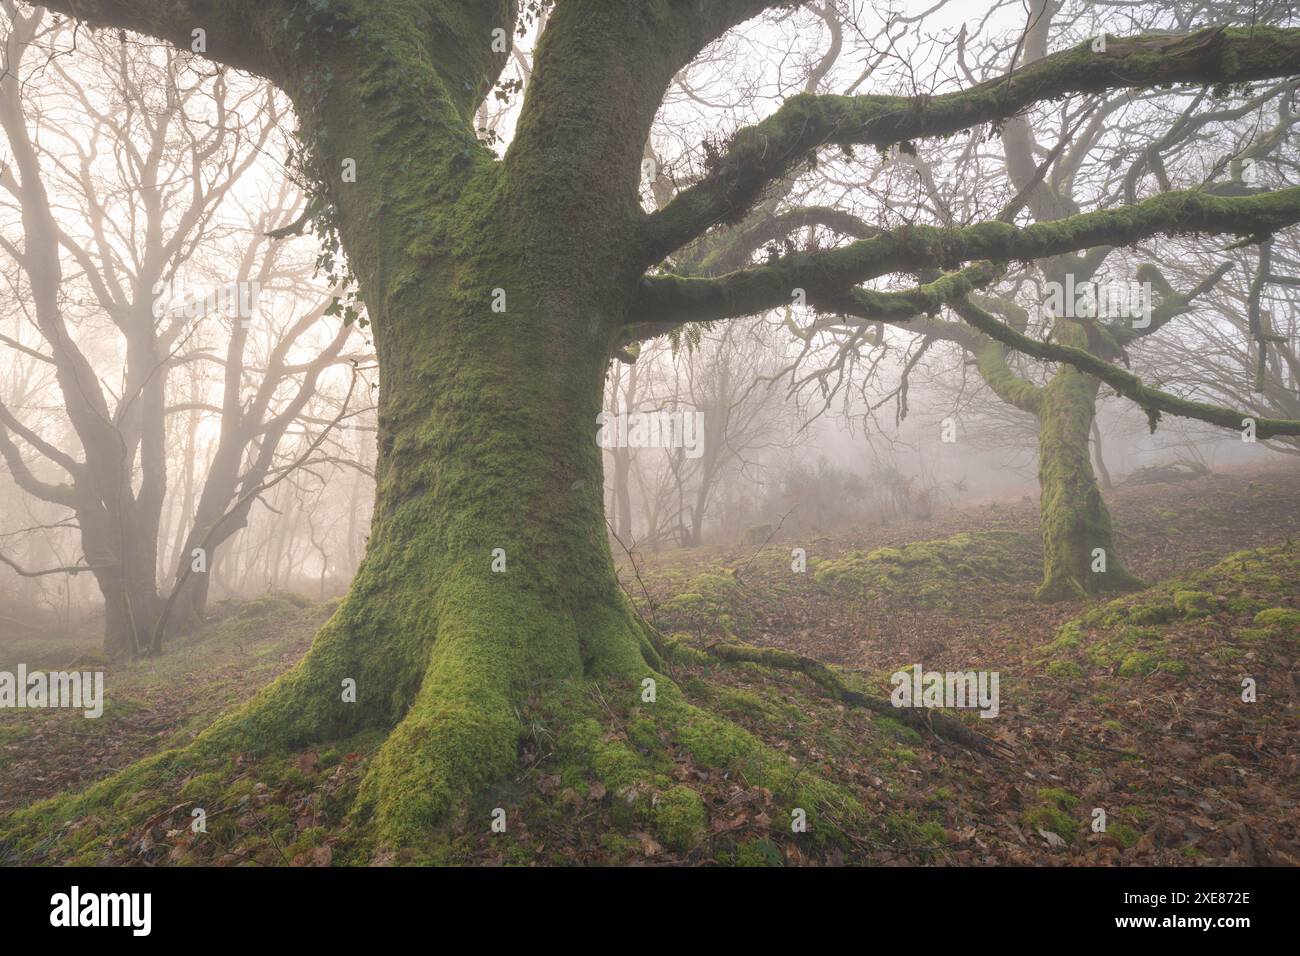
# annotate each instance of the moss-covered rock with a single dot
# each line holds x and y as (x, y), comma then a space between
(932, 572)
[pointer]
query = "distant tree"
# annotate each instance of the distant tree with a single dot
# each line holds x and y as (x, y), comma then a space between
(109, 258)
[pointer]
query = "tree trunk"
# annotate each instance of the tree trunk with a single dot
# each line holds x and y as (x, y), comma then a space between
(480, 450)
(190, 604)
(125, 575)
(1100, 459)
(131, 610)
(623, 494)
(1077, 537)
(487, 574)
(495, 297)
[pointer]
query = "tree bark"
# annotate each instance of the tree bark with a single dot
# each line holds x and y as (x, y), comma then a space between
(123, 557)
(487, 441)
(487, 450)
(1076, 526)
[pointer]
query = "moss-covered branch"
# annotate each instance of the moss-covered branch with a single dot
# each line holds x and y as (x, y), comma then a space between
(235, 32)
(991, 361)
(1153, 400)
(734, 249)
(764, 152)
(829, 274)
(898, 307)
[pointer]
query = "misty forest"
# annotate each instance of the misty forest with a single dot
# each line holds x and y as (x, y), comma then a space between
(649, 432)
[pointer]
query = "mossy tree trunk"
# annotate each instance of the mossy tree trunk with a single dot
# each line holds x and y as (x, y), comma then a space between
(1073, 518)
(1079, 553)
(495, 302)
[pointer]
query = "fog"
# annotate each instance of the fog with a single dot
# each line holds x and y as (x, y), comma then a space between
(824, 426)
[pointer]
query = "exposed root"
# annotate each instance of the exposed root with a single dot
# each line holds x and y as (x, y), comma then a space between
(921, 719)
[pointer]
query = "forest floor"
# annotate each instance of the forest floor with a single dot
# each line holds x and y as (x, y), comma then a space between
(1132, 707)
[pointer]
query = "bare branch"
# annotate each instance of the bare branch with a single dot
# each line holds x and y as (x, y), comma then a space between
(764, 152)
(1152, 400)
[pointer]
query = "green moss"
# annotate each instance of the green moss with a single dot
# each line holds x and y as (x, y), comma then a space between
(1064, 670)
(679, 817)
(903, 755)
(620, 846)
(711, 603)
(766, 706)
(1194, 603)
(931, 572)
(1124, 834)
(644, 735)
(1137, 664)
(1066, 638)
(1052, 819)
(719, 744)
(1245, 605)
(1062, 799)
(680, 651)
(758, 852)
(1284, 620)
(204, 786)
(1152, 613)
(612, 761)
(896, 730)
(746, 703)
(1140, 634)
(906, 828)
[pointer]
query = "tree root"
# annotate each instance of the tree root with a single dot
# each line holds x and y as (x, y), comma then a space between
(938, 724)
